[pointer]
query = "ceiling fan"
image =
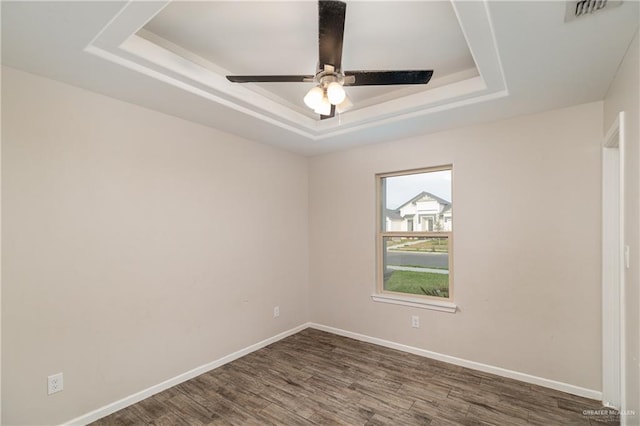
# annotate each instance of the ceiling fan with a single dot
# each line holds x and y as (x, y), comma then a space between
(328, 95)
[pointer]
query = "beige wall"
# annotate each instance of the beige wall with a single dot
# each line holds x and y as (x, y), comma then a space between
(624, 95)
(126, 256)
(122, 266)
(527, 277)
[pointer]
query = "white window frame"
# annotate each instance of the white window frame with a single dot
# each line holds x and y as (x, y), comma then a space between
(407, 299)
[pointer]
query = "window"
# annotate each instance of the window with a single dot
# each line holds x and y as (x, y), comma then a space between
(415, 266)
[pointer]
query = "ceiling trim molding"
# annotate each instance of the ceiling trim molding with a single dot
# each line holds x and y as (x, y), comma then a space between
(120, 43)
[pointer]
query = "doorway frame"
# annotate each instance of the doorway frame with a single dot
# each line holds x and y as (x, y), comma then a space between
(613, 271)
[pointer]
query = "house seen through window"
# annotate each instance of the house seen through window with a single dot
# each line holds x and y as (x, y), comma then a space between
(415, 233)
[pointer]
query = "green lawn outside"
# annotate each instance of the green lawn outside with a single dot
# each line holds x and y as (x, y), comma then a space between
(418, 283)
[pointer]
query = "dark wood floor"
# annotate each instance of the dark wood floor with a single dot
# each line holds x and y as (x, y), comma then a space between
(315, 377)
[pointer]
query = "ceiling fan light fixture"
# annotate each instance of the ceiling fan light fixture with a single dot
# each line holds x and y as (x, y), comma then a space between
(313, 98)
(343, 106)
(335, 93)
(324, 108)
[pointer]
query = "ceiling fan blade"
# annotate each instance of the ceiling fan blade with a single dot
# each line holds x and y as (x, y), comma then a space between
(384, 78)
(270, 78)
(331, 16)
(332, 114)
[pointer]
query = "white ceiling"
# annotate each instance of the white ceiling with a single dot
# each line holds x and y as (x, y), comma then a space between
(491, 60)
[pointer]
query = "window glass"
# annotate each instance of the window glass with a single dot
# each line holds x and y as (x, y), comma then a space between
(415, 233)
(416, 265)
(418, 202)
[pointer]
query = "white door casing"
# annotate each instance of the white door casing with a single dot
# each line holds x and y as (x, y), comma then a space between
(613, 363)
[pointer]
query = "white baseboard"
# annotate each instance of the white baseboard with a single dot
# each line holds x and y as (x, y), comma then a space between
(146, 393)
(498, 371)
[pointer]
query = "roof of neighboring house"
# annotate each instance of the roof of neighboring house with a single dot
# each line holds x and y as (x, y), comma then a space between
(421, 195)
(395, 214)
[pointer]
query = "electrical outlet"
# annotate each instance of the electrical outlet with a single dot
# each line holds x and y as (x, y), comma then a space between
(276, 311)
(415, 321)
(55, 383)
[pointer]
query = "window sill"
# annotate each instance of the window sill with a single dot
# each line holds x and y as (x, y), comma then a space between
(414, 302)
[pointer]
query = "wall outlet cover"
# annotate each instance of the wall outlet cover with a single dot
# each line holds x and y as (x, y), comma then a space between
(415, 321)
(55, 383)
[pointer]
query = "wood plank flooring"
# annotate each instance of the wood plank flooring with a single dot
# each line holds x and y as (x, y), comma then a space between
(318, 378)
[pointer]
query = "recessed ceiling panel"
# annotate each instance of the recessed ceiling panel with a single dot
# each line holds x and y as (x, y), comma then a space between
(242, 37)
(263, 38)
(194, 45)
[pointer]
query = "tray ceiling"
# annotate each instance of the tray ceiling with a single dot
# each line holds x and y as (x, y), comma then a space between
(492, 60)
(193, 45)
(252, 38)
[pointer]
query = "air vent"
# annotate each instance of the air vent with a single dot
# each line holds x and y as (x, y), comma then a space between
(576, 9)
